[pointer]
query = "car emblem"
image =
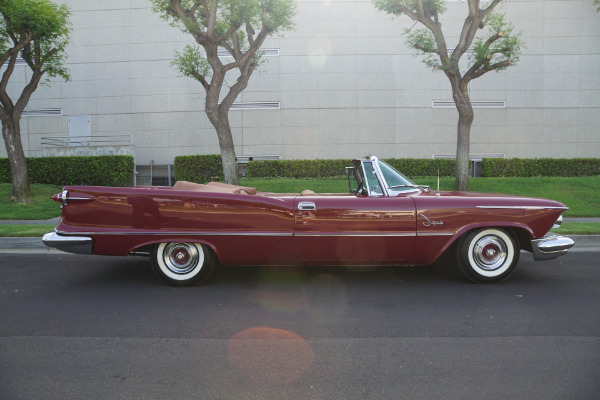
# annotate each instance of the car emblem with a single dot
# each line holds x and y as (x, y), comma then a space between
(429, 222)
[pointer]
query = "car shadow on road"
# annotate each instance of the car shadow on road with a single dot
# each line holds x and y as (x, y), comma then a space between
(127, 271)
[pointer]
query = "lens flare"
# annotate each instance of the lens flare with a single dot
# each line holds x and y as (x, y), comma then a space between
(319, 50)
(270, 355)
(281, 289)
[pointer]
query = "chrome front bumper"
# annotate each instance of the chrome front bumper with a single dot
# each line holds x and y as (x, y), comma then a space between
(550, 247)
(69, 244)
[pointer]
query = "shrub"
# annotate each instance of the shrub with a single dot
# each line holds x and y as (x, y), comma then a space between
(423, 167)
(204, 168)
(93, 170)
(199, 169)
(303, 169)
(565, 167)
(300, 169)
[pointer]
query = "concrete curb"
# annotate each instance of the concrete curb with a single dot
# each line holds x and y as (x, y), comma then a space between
(35, 244)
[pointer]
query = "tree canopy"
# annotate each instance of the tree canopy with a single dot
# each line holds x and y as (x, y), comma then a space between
(39, 29)
(489, 40)
(38, 32)
(238, 26)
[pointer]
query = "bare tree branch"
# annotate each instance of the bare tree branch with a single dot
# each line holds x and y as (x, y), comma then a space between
(425, 50)
(201, 79)
(4, 98)
(28, 91)
(211, 19)
(195, 7)
(421, 9)
(467, 34)
(250, 33)
(229, 32)
(490, 8)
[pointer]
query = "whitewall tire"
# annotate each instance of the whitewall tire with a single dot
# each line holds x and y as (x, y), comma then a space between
(487, 255)
(182, 264)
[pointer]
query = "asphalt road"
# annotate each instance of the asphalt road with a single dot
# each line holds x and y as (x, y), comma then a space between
(92, 327)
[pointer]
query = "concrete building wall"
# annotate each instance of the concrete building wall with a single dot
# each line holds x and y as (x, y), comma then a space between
(346, 83)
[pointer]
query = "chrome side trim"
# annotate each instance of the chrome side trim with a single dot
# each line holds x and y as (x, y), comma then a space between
(69, 244)
(358, 234)
(550, 247)
(524, 207)
(64, 198)
(195, 233)
(435, 233)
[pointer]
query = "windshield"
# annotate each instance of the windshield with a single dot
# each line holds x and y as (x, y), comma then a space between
(394, 179)
(372, 182)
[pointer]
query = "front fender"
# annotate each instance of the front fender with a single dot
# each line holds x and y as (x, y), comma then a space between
(432, 244)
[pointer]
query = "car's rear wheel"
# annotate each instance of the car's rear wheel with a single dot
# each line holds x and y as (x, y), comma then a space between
(182, 264)
(487, 255)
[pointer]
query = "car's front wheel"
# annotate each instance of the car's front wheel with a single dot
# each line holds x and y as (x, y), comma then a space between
(487, 255)
(182, 264)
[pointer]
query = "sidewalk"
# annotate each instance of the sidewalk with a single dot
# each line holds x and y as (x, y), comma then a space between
(35, 245)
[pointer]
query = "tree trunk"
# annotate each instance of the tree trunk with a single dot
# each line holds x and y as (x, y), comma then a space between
(11, 132)
(228, 153)
(220, 120)
(465, 119)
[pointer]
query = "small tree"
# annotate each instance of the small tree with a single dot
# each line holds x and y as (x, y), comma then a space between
(38, 30)
(238, 26)
(495, 50)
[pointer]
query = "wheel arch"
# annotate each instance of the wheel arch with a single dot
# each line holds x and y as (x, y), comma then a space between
(521, 233)
(146, 247)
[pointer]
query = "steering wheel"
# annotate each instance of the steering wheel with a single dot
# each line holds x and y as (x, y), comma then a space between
(361, 189)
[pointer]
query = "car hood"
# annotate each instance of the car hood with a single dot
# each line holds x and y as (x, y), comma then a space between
(492, 199)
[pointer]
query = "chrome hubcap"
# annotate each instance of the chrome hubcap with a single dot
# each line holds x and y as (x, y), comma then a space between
(489, 253)
(181, 258)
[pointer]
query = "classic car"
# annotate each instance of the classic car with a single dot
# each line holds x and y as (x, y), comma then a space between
(384, 219)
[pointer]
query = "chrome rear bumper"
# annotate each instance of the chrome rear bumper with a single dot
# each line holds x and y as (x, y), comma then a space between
(550, 247)
(69, 244)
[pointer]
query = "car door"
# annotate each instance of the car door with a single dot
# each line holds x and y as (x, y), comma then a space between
(354, 230)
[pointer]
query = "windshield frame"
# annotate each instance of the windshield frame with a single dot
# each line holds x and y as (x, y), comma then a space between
(394, 182)
(391, 182)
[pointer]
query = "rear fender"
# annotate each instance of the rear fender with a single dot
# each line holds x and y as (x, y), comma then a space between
(145, 247)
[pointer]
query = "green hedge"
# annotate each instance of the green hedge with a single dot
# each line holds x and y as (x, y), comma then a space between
(199, 169)
(412, 167)
(204, 168)
(299, 169)
(566, 167)
(93, 170)
(302, 169)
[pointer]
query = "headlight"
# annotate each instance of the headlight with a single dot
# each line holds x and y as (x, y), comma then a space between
(558, 223)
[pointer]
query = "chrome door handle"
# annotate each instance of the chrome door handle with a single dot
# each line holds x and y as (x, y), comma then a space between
(307, 206)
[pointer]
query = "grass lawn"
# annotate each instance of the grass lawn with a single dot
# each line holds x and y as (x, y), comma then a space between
(578, 228)
(582, 195)
(41, 207)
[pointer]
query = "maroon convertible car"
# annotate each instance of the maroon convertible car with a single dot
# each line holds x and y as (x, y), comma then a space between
(385, 219)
